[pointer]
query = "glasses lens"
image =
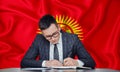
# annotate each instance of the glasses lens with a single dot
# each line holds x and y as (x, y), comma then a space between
(54, 35)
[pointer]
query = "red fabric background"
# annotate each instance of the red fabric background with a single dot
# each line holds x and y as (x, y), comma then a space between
(100, 20)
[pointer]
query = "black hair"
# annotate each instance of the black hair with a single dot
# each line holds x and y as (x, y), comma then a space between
(46, 21)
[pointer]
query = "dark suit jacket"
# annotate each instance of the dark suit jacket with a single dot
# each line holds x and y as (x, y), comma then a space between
(40, 47)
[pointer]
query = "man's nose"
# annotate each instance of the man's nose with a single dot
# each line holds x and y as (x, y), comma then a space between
(53, 39)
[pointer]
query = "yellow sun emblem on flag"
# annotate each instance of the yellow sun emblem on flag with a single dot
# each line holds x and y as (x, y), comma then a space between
(69, 25)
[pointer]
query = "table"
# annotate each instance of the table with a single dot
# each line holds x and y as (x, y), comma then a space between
(56, 70)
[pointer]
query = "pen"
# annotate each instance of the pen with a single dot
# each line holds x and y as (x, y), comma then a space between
(68, 56)
(70, 53)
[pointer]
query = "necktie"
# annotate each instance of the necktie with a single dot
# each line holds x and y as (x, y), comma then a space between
(56, 53)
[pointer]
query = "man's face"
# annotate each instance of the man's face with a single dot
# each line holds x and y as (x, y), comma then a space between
(52, 33)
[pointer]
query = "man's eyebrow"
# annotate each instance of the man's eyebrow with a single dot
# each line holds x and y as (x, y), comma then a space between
(51, 34)
(55, 32)
(48, 35)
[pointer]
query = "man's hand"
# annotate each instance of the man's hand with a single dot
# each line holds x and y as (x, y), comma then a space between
(53, 63)
(70, 62)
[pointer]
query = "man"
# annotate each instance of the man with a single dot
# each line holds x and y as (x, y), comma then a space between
(56, 48)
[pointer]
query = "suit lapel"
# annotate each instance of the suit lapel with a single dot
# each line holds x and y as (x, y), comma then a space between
(64, 40)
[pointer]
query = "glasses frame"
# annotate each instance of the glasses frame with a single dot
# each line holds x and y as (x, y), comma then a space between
(54, 35)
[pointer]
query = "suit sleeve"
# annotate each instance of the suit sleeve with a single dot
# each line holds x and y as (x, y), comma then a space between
(82, 54)
(29, 60)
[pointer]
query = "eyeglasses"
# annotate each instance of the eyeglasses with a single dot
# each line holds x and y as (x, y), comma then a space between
(54, 35)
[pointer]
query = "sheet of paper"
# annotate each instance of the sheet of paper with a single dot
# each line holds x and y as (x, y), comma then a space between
(43, 68)
(64, 67)
(56, 67)
(69, 67)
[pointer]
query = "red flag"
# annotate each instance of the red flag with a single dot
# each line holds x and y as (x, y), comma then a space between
(99, 21)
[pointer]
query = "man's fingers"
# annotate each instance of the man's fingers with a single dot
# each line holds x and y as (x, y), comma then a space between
(65, 63)
(53, 63)
(57, 63)
(69, 62)
(67, 59)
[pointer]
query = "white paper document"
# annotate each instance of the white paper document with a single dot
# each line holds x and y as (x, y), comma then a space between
(56, 67)
(69, 67)
(73, 67)
(43, 68)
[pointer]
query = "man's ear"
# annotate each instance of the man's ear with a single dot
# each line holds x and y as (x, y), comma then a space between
(59, 27)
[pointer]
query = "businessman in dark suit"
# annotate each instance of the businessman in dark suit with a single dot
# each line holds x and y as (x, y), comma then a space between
(56, 48)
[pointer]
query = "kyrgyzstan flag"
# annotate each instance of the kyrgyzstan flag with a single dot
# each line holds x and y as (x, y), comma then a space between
(97, 23)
